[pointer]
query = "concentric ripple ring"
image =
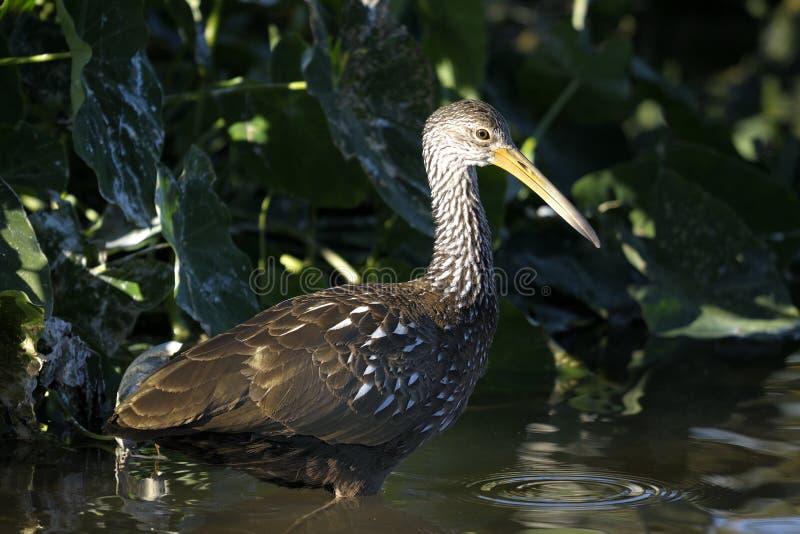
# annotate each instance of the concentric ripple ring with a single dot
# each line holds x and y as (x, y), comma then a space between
(587, 491)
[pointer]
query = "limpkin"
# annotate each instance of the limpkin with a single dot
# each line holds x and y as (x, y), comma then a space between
(338, 385)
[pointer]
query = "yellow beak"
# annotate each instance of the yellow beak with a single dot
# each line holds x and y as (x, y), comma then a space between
(512, 160)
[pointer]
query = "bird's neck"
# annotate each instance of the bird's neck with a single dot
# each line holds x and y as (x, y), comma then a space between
(461, 267)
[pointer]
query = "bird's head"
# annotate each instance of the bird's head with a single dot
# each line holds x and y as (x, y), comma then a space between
(472, 133)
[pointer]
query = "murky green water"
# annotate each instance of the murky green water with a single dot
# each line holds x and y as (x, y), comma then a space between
(700, 444)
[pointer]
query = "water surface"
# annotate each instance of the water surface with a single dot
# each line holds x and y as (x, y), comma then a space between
(693, 442)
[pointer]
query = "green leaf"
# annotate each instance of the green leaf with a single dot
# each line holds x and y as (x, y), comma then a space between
(708, 274)
(287, 146)
(562, 280)
(769, 208)
(705, 272)
(113, 232)
(21, 323)
(32, 162)
(285, 64)
(519, 346)
(251, 131)
(16, 6)
(454, 38)
(493, 184)
(112, 301)
(520, 362)
(605, 90)
(212, 277)
(13, 108)
(376, 90)
(23, 265)
(189, 29)
(623, 184)
(146, 282)
(681, 110)
(102, 302)
(766, 206)
(81, 54)
(116, 101)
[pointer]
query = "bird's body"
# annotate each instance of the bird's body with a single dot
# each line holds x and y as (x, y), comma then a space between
(353, 372)
(351, 364)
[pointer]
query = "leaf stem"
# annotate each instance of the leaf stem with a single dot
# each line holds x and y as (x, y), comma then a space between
(234, 85)
(341, 265)
(555, 110)
(39, 58)
(579, 10)
(262, 234)
(212, 24)
(74, 422)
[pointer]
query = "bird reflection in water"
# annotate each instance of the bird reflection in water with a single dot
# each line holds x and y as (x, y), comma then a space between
(149, 484)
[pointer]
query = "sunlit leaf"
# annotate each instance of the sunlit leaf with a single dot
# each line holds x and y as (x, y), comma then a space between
(16, 6)
(376, 89)
(212, 278)
(145, 282)
(116, 101)
(21, 323)
(251, 131)
(621, 185)
(23, 266)
(113, 232)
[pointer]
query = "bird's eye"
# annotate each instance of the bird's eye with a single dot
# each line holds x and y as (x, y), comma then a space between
(482, 134)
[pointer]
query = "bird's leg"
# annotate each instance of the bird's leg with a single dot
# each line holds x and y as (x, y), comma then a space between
(310, 515)
(158, 457)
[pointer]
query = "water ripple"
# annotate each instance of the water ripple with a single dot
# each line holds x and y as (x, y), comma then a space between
(584, 491)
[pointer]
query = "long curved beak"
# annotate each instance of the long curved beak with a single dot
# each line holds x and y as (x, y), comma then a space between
(512, 160)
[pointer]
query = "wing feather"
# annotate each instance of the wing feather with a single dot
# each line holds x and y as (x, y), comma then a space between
(335, 365)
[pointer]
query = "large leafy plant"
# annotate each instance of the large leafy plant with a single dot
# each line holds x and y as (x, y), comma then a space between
(169, 168)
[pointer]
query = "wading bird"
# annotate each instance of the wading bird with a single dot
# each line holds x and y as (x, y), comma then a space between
(337, 386)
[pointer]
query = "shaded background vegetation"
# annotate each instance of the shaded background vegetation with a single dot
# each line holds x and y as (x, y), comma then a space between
(159, 152)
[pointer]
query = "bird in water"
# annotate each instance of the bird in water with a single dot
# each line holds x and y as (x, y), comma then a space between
(337, 386)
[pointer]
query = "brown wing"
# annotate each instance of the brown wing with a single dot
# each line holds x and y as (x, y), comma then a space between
(341, 365)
